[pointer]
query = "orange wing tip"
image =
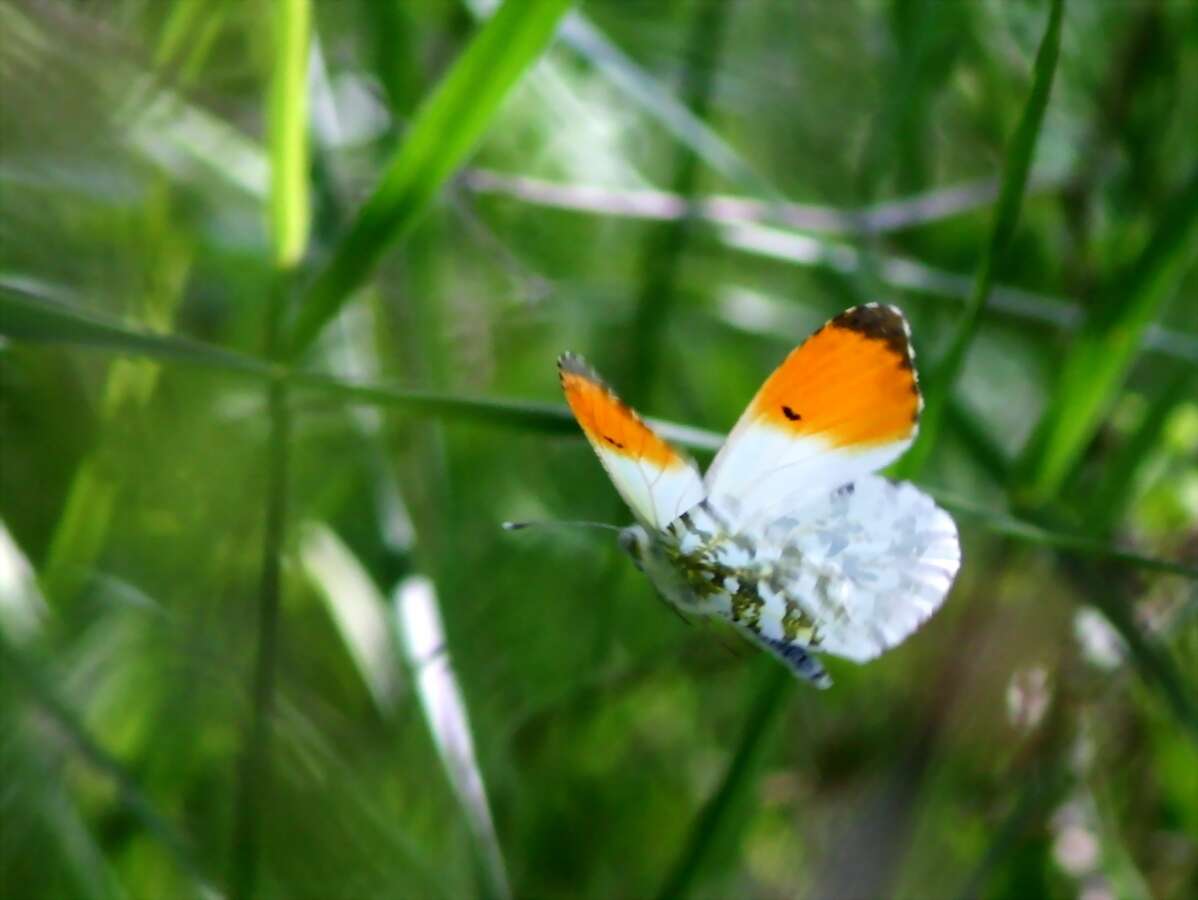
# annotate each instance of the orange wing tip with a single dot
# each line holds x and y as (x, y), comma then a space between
(852, 383)
(609, 423)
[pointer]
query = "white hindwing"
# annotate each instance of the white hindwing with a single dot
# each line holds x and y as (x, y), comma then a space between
(868, 563)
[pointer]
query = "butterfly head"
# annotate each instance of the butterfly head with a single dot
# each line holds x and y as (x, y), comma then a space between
(634, 540)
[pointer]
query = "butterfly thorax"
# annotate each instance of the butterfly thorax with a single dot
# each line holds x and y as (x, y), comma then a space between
(693, 581)
(703, 568)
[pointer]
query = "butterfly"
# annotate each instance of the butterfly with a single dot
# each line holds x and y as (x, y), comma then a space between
(790, 536)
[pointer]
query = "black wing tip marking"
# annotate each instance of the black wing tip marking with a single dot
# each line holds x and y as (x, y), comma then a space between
(569, 363)
(576, 364)
(881, 322)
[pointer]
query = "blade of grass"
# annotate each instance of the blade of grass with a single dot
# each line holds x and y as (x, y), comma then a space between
(445, 129)
(924, 208)
(290, 212)
(942, 374)
(913, 275)
(40, 321)
(358, 609)
(23, 609)
(985, 451)
(1039, 792)
(251, 799)
(1153, 661)
(187, 36)
(546, 417)
(666, 245)
(289, 220)
(16, 664)
(1120, 477)
(418, 620)
(1020, 529)
(129, 384)
(676, 117)
(737, 223)
(716, 823)
(1102, 353)
(394, 56)
(582, 36)
(26, 316)
(521, 414)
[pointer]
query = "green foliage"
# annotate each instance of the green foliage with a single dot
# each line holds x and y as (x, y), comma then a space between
(275, 365)
(443, 131)
(1104, 349)
(1017, 166)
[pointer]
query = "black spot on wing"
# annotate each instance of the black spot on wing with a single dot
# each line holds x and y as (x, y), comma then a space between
(790, 414)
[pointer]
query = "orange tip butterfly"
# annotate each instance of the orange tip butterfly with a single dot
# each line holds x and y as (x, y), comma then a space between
(790, 537)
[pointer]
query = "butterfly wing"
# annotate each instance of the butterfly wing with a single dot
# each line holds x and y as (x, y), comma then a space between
(794, 656)
(856, 570)
(843, 404)
(848, 563)
(656, 481)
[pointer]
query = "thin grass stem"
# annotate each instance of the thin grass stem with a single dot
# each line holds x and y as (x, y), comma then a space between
(716, 821)
(252, 798)
(944, 372)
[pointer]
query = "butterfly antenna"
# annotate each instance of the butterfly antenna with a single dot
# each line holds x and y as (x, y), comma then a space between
(570, 523)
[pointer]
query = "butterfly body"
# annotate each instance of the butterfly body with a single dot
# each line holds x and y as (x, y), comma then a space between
(789, 537)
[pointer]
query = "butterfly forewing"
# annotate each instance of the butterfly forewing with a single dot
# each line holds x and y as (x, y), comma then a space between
(843, 404)
(656, 481)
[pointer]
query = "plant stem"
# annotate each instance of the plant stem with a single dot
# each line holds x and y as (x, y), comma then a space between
(254, 780)
(713, 821)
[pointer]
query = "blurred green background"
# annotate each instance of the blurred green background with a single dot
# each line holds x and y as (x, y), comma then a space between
(281, 289)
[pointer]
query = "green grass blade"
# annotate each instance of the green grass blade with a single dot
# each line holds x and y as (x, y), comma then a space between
(531, 416)
(417, 616)
(971, 430)
(253, 789)
(644, 90)
(26, 317)
(1102, 353)
(736, 223)
(526, 415)
(289, 219)
(549, 418)
(187, 37)
(290, 212)
(1153, 661)
(81, 531)
(666, 246)
(1037, 795)
(1106, 505)
(358, 609)
(184, 17)
(717, 818)
(444, 131)
(943, 373)
(18, 665)
(680, 120)
(1022, 530)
